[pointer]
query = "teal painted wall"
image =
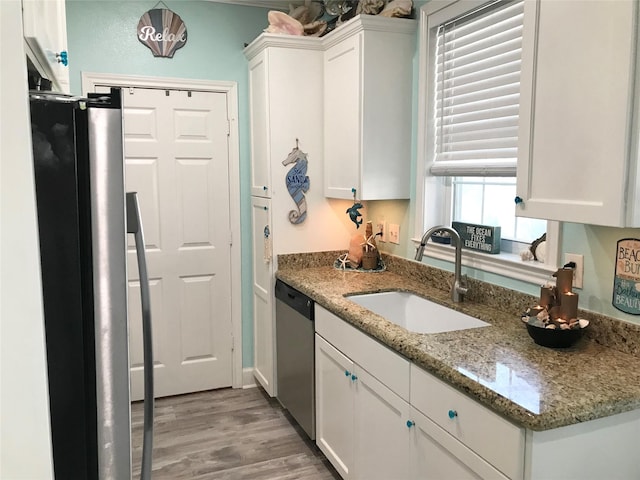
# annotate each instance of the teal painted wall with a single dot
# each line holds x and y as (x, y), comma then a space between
(102, 38)
(598, 245)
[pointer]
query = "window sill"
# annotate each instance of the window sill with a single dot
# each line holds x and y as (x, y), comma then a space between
(509, 265)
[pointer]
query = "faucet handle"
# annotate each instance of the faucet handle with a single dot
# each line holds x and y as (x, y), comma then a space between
(460, 287)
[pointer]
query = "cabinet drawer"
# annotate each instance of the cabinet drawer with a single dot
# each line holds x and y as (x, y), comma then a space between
(495, 439)
(387, 366)
(438, 455)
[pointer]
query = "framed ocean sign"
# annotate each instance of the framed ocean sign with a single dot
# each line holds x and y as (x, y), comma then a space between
(626, 281)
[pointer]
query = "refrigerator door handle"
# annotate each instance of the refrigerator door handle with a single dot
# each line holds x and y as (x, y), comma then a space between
(134, 226)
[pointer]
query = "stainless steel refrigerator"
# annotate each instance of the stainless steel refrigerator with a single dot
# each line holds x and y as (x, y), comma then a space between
(84, 216)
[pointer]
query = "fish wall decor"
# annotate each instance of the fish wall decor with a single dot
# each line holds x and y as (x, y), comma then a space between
(354, 214)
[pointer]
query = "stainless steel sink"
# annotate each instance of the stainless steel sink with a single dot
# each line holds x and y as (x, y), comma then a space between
(416, 314)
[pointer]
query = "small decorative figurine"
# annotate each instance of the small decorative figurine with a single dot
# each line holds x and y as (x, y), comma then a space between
(353, 212)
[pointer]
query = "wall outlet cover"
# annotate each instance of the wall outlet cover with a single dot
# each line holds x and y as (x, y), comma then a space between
(382, 227)
(578, 272)
(394, 233)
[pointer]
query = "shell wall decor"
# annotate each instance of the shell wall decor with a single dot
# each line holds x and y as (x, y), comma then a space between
(163, 31)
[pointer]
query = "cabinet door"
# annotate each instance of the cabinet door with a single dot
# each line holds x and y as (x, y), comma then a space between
(259, 125)
(45, 32)
(436, 455)
(382, 435)
(342, 118)
(263, 307)
(576, 91)
(468, 422)
(335, 407)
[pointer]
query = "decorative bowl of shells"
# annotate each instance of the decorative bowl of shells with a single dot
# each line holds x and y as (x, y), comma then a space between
(547, 331)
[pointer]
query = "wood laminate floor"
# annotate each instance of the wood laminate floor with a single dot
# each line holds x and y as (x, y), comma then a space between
(230, 434)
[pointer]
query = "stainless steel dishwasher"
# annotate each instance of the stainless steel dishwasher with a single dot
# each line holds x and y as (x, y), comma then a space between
(295, 355)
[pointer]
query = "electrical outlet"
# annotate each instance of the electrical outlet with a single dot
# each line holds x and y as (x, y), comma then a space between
(382, 228)
(578, 272)
(394, 233)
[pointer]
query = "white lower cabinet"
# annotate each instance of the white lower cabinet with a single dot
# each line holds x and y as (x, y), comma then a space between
(263, 303)
(362, 407)
(334, 407)
(382, 434)
(361, 425)
(436, 455)
(380, 417)
(465, 436)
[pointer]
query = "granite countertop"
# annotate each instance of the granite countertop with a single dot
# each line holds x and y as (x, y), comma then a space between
(500, 366)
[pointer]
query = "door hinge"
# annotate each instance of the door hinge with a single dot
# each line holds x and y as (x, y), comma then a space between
(228, 127)
(230, 239)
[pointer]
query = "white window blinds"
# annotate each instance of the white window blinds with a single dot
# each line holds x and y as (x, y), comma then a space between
(477, 92)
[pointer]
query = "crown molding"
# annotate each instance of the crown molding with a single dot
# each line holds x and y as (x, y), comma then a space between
(282, 5)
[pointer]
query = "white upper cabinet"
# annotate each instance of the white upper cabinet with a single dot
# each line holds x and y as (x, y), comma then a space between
(259, 101)
(285, 98)
(578, 136)
(45, 33)
(367, 108)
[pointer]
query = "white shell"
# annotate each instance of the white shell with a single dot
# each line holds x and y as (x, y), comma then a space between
(282, 23)
(583, 323)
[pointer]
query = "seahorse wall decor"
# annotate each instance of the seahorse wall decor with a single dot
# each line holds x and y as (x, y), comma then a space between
(297, 183)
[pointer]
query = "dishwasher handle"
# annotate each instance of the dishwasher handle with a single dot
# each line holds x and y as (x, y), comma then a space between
(295, 299)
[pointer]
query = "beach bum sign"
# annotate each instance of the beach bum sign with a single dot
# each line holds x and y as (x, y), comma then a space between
(626, 282)
(478, 237)
(162, 31)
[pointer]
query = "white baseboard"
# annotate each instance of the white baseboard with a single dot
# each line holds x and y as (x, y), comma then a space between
(248, 380)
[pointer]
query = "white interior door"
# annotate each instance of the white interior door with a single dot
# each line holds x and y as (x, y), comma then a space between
(177, 159)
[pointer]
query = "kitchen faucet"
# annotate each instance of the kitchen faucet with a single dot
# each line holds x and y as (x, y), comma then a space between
(458, 290)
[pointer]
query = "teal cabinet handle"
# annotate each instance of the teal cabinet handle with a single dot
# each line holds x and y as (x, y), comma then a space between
(347, 373)
(452, 414)
(63, 58)
(353, 378)
(410, 423)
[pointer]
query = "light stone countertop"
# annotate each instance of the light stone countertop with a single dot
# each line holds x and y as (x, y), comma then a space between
(500, 366)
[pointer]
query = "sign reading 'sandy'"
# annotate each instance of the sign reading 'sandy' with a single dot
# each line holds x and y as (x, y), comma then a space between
(626, 282)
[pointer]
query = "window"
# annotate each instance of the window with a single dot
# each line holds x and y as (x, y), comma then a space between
(482, 200)
(477, 91)
(470, 95)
